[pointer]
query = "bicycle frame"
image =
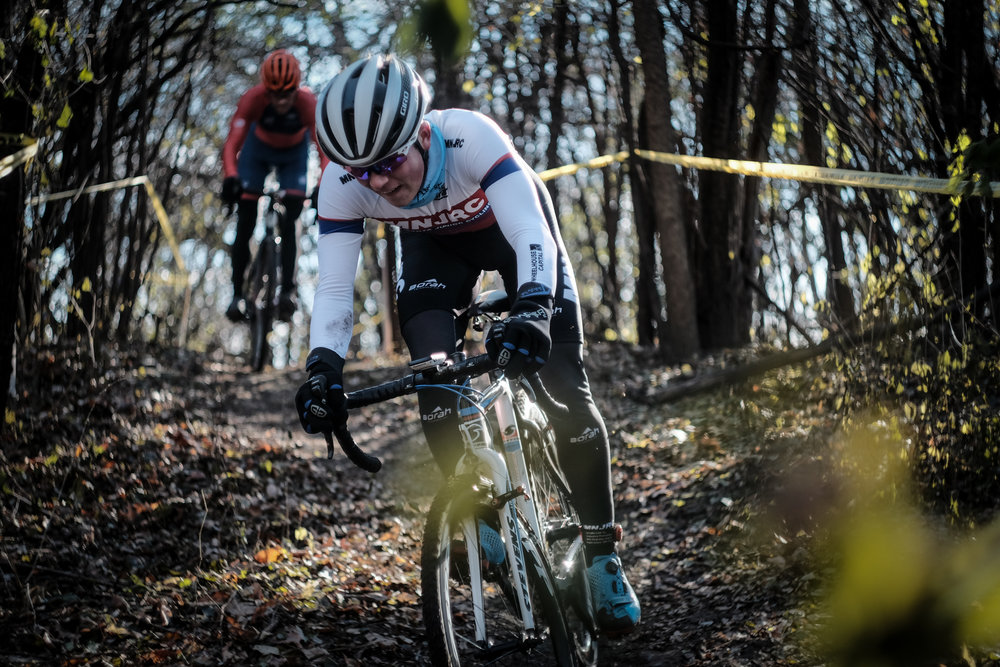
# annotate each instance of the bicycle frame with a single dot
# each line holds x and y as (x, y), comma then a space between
(264, 276)
(508, 473)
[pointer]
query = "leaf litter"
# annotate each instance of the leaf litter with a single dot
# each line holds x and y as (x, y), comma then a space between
(172, 512)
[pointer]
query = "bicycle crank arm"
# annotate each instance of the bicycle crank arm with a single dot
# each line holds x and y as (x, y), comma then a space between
(505, 498)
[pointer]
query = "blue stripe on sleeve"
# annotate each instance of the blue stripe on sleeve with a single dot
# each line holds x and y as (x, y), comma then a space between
(327, 226)
(507, 165)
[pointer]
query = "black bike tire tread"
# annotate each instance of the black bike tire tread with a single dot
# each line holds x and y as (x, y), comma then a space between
(459, 491)
(262, 319)
(584, 658)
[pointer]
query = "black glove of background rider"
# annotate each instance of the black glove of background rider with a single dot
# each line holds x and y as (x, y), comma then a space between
(320, 402)
(231, 190)
(521, 342)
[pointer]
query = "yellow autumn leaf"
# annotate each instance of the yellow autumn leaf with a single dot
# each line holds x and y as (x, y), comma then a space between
(67, 113)
(39, 26)
(269, 555)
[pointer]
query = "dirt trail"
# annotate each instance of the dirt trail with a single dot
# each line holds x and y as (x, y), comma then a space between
(192, 517)
(673, 496)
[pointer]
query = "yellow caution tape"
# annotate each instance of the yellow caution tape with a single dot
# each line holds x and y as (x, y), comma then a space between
(847, 177)
(184, 280)
(168, 230)
(11, 162)
(16, 138)
(596, 163)
(161, 212)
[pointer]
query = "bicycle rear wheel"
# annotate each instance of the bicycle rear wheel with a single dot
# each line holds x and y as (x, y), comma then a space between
(470, 606)
(563, 539)
(260, 303)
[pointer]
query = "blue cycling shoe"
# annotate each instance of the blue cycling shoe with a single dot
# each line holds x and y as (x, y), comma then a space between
(491, 544)
(615, 602)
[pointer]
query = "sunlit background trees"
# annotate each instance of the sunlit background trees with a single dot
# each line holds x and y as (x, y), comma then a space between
(690, 261)
(897, 278)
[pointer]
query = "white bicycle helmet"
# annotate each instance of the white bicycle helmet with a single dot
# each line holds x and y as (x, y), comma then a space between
(370, 111)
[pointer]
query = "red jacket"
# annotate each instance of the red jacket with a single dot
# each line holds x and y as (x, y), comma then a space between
(278, 131)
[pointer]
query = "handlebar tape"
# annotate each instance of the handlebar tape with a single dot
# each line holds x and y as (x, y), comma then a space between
(366, 462)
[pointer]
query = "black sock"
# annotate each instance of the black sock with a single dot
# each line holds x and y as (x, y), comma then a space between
(599, 540)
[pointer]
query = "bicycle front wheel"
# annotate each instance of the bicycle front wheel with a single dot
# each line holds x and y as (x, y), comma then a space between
(471, 609)
(260, 302)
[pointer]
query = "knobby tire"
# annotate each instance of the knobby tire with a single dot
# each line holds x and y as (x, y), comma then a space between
(260, 302)
(447, 606)
(563, 541)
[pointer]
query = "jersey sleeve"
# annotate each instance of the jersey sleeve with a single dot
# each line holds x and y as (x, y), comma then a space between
(248, 110)
(332, 322)
(337, 251)
(508, 183)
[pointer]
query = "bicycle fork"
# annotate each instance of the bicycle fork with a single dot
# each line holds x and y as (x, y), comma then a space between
(512, 496)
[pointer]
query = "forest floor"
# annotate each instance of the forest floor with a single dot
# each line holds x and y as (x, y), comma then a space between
(171, 511)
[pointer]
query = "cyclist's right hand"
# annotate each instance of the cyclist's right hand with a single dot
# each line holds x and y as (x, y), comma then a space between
(320, 402)
(231, 190)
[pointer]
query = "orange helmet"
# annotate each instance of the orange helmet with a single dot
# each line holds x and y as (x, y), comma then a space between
(280, 71)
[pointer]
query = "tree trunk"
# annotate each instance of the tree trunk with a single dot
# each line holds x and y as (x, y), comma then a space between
(838, 291)
(764, 92)
(17, 119)
(722, 288)
(648, 306)
(963, 71)
(680, 339)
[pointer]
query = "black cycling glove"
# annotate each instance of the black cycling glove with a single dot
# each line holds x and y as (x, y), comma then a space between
(320, 402)
(231, 190)
(521, 343)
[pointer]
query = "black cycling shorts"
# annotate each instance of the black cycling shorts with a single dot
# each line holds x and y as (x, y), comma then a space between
(442, 272)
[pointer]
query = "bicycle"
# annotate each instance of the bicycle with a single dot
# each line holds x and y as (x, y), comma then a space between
(488, 609)
(262, 281)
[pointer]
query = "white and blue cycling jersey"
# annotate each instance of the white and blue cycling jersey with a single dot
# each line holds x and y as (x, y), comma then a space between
(474, 180)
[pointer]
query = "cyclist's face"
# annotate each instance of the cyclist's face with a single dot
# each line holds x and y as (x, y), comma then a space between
(399, 186)
(283, 101)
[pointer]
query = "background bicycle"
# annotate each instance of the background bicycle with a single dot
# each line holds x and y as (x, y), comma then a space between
(264, 303)
(262, 283)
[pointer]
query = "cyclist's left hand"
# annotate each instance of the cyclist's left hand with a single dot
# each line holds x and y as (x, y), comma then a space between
(231, 190)
(521, 342)
(320, 402)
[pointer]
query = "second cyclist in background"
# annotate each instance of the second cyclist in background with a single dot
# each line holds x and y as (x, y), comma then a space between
(270, 131)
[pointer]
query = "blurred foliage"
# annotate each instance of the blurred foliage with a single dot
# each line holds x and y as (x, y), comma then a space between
(906, 589)
(445, 25)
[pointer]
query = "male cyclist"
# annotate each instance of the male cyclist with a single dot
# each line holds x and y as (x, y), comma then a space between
(465, 203)
(269, 132)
